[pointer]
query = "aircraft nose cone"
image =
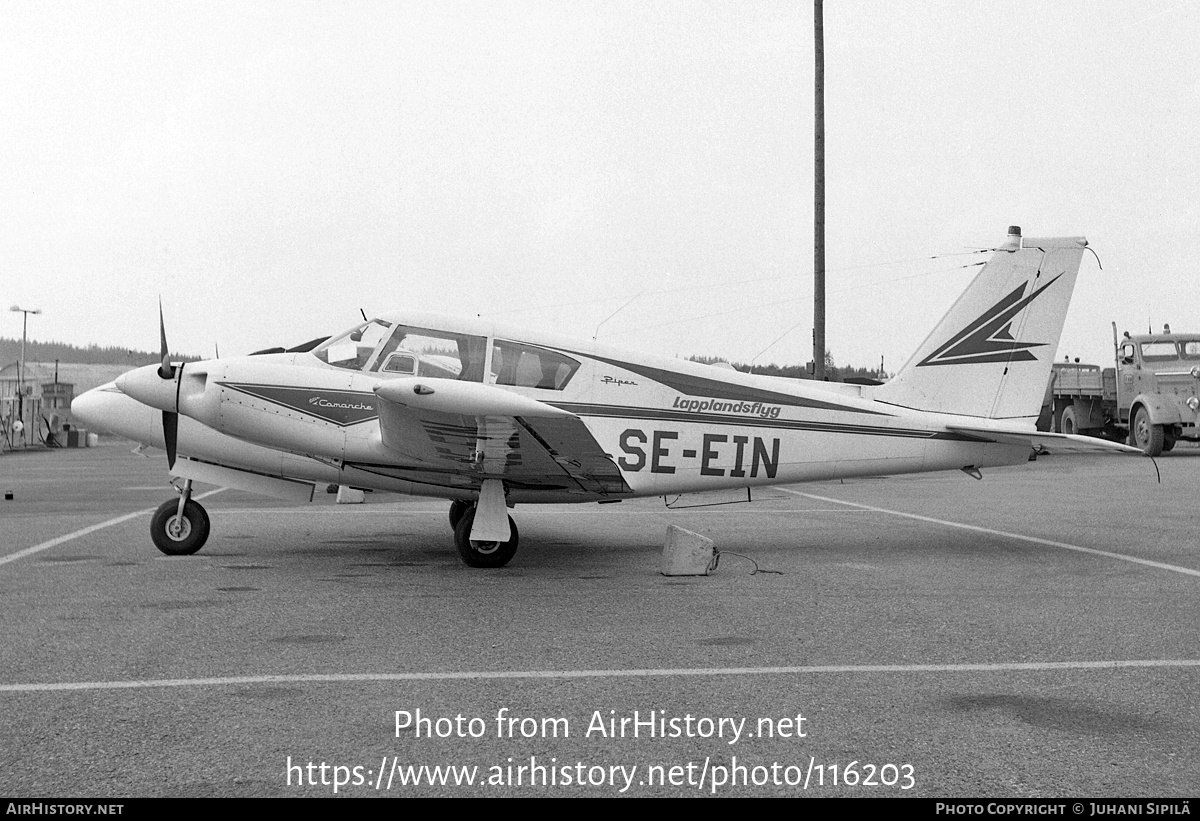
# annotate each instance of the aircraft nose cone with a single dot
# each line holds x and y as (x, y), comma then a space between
(147, 387)
(105, 409)
(88, 407)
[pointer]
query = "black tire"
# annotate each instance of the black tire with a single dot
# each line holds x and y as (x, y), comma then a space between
(483, 554)
(1168, 440)
(1147, 436)
(457, 509)
(194, 532)
(1068, 423)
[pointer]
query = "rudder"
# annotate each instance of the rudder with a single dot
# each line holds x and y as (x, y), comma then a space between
(991, 354)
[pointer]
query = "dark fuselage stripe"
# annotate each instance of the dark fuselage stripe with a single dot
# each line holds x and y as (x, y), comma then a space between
(690, 385)
(659, 415)
(652, 415)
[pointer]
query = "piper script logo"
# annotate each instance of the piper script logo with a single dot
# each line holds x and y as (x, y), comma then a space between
(990, 338)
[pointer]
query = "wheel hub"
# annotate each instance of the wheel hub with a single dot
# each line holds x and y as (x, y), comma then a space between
(178, 529)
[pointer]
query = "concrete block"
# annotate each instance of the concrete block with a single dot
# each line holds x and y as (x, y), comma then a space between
(686, 553)
(350, 496)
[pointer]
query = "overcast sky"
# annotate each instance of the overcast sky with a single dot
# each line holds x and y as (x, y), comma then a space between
(268, 168)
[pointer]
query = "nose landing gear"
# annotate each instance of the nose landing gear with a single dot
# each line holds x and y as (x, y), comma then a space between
(180, 528)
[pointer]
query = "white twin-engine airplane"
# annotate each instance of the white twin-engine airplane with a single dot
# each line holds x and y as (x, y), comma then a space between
(490, 417)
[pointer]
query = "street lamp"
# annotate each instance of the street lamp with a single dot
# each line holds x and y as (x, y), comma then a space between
(21, 369)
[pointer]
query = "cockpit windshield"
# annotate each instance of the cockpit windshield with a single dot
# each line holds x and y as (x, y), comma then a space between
(355, 348)
(401, 350)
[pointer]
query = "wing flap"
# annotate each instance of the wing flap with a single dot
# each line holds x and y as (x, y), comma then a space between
(479, 432)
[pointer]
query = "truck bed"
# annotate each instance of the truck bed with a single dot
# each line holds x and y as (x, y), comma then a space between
(1077, 380)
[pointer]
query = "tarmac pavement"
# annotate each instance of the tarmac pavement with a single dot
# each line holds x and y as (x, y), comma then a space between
(1033, 634)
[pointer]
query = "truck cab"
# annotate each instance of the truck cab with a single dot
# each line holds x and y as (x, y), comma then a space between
(1158, 388)
(1151, 398)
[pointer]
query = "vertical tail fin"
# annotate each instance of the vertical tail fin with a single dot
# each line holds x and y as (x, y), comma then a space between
(990, 356)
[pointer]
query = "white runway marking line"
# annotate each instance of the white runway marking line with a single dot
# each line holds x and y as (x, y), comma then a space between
(347, 678)
(1035, 540)
(38, 548)
(842, 511)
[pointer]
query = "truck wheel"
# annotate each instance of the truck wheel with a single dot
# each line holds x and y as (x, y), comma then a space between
(1168, 440)
(1068, 425)
(1147, 436)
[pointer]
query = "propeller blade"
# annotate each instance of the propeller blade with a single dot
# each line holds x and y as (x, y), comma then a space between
(164, 370)
(170, 418)
(171, 435)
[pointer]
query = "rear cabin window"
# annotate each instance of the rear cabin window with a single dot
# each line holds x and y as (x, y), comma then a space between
(527, 366)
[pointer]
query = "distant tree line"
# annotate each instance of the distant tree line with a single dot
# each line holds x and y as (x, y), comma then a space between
(835, 373)
(10, 351)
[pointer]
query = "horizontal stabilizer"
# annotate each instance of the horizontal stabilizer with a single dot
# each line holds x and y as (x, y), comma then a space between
(1051, 442)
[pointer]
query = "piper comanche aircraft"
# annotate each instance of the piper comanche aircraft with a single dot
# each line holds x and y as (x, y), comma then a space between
(490, 417)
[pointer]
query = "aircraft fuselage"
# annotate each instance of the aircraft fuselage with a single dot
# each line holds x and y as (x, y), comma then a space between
(667, 426)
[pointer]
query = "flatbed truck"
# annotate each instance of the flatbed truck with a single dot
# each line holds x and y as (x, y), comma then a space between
(1150, 399)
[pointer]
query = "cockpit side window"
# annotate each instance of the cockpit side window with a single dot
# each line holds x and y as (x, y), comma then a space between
(401, 350)
(431, 353)
(1191, 349)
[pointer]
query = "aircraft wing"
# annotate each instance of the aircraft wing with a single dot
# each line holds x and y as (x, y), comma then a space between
(1049, 442)
(468, 432)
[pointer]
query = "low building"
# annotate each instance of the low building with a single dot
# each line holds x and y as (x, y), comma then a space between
(41, 397)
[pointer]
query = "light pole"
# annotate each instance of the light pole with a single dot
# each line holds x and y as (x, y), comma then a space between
(21, 368)
(819, 193)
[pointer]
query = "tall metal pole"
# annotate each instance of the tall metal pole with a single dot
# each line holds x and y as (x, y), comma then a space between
(21, 368)
(819, 195)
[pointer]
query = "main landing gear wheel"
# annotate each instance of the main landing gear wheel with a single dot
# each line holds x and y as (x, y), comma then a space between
(483, 554)
(175, 536)
(457, 509)
(1147, 436)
